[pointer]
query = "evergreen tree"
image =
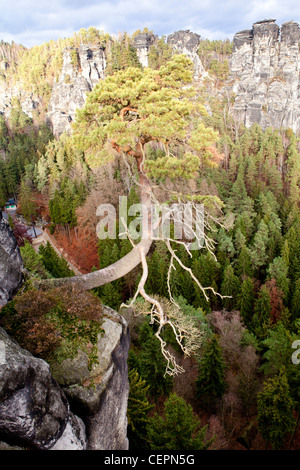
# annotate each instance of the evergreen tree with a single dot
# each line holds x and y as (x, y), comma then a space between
(56, 265)
(152, 363)
(178, 429)
(278, 270)
(259, 247)
(246, 300)
(243, 264)
(26, 202)
(293, 171)
(239, 200)
(158, 271)
(277, 346)
(239, 240)
(275, 410)
(32, 260)
(262, 311)
(137, 411)
(207, 271)
(230, 287)
(111, 294)
(211, 376)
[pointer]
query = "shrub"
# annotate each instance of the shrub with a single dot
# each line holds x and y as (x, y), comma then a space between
(54, 323)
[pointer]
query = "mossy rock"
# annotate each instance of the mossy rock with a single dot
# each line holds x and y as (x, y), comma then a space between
(71, 371)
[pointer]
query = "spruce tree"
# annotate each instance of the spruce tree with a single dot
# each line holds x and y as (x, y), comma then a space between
(278, 270)
(259, 247)
(246, 300)
(230, 287)
(262, 311)
(243, 264)
(178, 429)
(275, 410)
(211, 376)
(137, 411)
(56, 265)
(26, 201)
(152, 363)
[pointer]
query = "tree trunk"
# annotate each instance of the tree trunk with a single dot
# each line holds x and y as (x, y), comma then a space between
(126, 264)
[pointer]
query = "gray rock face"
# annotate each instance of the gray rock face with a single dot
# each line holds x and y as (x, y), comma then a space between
(186, 42)
(265, 67)
(11, 263)
(142, 43)
(28, 101)
(264, 77)
(106, 384)
(67, 407)
(75, 81)
(34, 412)
(111, 418)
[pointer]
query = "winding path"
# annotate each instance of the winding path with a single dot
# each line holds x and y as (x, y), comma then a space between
(43, 238)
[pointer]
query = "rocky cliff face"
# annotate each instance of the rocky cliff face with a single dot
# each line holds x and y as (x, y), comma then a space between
(186, 42)
(67, 406)
(34, 412)
(264, 75)
(143, 43)
(265, 67)
(11, 263)
(80, 72)
(28, 101)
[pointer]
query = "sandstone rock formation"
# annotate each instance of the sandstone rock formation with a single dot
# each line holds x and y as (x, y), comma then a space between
(11, 263)
(28, 101)
(77, 78)
(186, 42)
(34, 412)
(66, 407)
(264, 76)
(143, 43)
(106, 383)
(265, 67)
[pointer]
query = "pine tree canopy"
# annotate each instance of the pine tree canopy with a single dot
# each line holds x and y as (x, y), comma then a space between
(134, 107)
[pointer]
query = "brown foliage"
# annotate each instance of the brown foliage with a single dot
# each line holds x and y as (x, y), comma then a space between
(28, 320)
(42, 206)
(21, 233)
(242, 375)
(218, 433)
(230, 329)
(276, 296)
(80, 250)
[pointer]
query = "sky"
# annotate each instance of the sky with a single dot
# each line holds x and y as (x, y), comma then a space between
(33, 22)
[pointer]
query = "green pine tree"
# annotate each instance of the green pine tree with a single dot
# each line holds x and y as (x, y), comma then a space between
(230, 287)
(262, 312)
(243, 265)
(178, 429)
(152, 363)
(211, 376)
(246, 300)
(137, 411)
(275, 410)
